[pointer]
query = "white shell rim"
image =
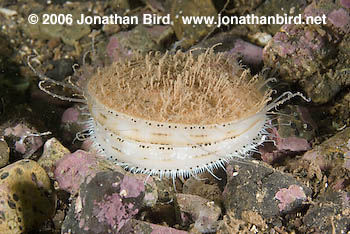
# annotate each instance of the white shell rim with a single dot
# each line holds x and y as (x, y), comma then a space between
(172, 158)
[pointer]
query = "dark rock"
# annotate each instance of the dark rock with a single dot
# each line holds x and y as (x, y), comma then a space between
(140, 227)
(62, 69)
(242, 7)
(302, 125)
(203, 212)
(330, 214)
(329, 154)
(256, 186)
(5, 50)
(209, 190)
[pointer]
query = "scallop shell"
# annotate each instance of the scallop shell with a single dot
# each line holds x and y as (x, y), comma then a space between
(174, 114)
(172, 149)
(203, 113)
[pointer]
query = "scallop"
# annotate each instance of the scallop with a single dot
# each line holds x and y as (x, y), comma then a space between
(176, 114)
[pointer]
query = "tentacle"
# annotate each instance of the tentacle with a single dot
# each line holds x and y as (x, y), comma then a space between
(44, 79)
(59, 96)
(285, 97)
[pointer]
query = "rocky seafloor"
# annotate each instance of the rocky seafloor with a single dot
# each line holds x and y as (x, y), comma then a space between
(51, 183)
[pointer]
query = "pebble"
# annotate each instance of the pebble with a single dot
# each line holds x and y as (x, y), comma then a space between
(249, 54)
(292, 139)
(27, 198)
(4, 153)
(53, 151)
(261, 38)
(71, 123)
(203, 212)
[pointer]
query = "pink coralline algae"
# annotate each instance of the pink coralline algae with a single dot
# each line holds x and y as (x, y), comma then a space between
(288, 196)
(103, 206)
(250, 53)
(339, 18)
(70, 115)
(345, 3)
(307, 54)
(347, 157)
(132, 187)
(112, 211)
(283, 146)
(74, 168)
(115, 50)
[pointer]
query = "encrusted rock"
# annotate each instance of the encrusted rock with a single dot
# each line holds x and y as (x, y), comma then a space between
(330, 153)
(258, 187)
(27, 198)
(312, 55)
(105, 203)
(81, 167)
(73, 169)
(26, 140)
(274, 7)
